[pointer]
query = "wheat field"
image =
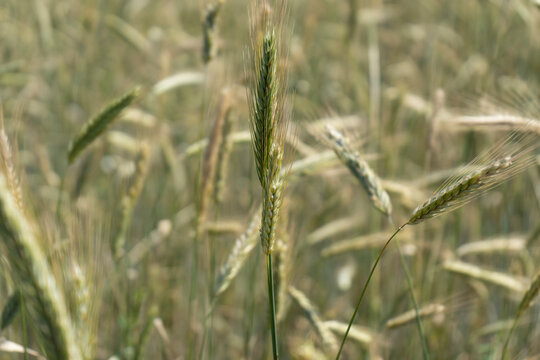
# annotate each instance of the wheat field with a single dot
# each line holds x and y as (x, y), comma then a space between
(269, 179)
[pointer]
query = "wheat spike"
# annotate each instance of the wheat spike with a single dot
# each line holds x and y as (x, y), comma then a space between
(312, 314)
(410, 316)
(268, 128)
(493, 277)
(98, 124)
(211, 156)
(453, 196)
(504, 245)
(361, 170)
(361, 335)
(238, 256)
(209, 25)
(8, 167)
(130, 198)
(498, 164)
(34, 277)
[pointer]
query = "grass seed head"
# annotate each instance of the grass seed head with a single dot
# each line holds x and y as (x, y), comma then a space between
(98, 124)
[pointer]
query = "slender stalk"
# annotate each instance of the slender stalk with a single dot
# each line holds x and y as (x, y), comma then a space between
(272, 304)
(507, 341)
(415, 303)
(60, 191)
(25, 336)
(364, 290)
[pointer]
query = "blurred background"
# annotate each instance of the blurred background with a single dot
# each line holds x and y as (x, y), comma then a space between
(393, 76)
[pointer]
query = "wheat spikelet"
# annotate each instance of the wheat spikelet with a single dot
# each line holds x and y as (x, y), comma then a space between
(123, 142)
(491, 169)
(362, 242)
(361, 335)
(453, 196)
(97, 125)
(267, 124)
(358, 243)
(78, 263)
(7, 165)
(510, 244)
(308, 351)
(223, 160)
(175, 81)
(494, 122)
(268, 127)
(243, 246)
(410, 316)
(128, 33)
(271, 205)
(211, 155)
(130, 199)
(209, 24)
(82, 309)
(223, 227)
(332, 228)
(138, 117)
(328, 338)
(493, 277)
(361, 170)
(34, 277)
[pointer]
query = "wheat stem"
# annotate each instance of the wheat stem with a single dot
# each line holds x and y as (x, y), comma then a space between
(272, 304)
(364, 290)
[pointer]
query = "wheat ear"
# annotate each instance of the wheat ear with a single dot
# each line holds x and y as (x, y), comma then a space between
(35, 279)
(130, 198)
(209, 25)
(268, 131)
(328, 338)
(98, 124)
(361, 170)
